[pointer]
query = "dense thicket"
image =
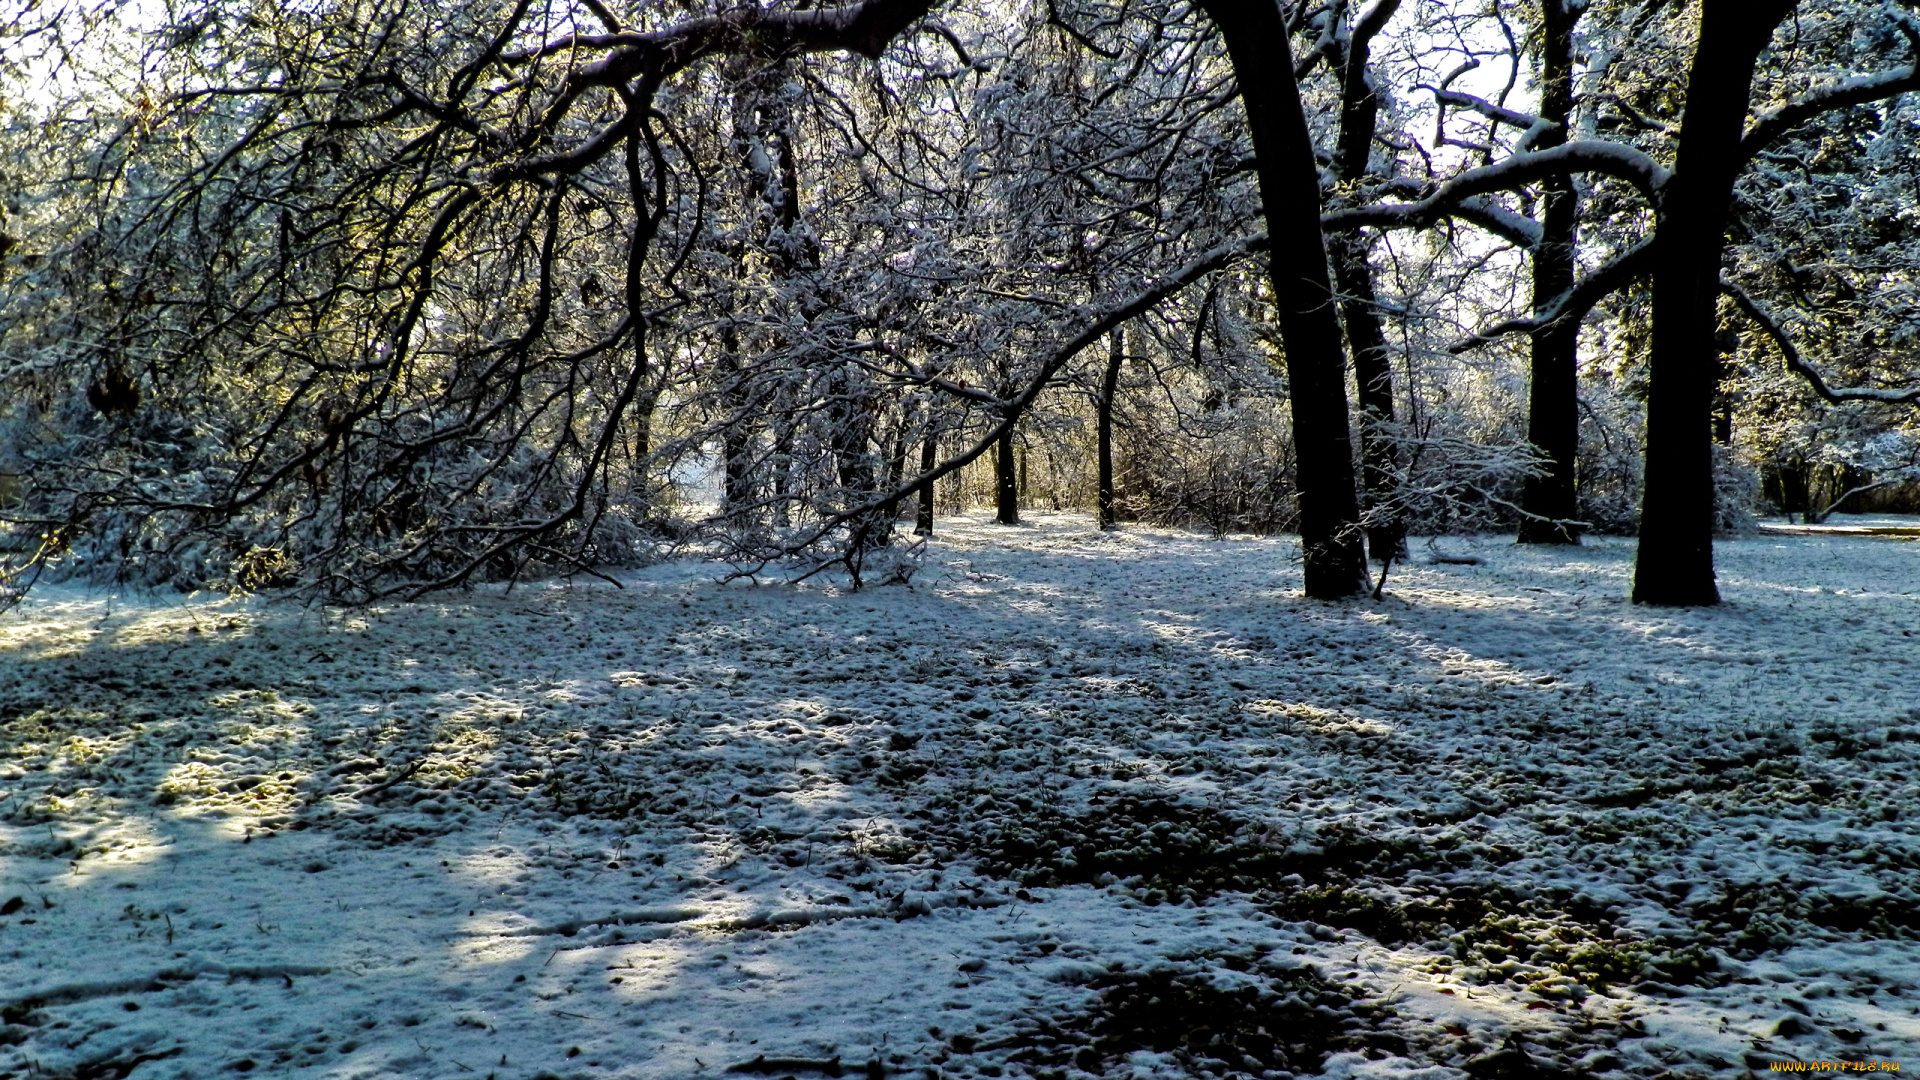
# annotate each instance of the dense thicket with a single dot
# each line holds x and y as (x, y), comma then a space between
(377, 298)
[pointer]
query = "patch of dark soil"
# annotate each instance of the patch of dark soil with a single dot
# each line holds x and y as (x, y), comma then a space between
(1176, 849)
(1752, 919)
(1345, 908)
(1263, 1020)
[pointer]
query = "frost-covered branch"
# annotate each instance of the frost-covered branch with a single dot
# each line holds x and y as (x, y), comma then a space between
(1498, 113)
(1844, 93)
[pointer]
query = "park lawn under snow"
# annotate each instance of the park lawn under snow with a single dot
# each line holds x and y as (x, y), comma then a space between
(1074, 804)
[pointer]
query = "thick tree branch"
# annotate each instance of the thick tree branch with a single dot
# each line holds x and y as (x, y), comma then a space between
(1514, 172)
(863, 28)
(1859, 90)
(1497, 113)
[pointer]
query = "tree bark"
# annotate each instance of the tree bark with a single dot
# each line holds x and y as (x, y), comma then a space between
(1330, 538)
(1550, 501)
(1109, 386)
(929, 457)
(1674, 563)
(1359, 307)
(1373, 378)
(1006, 483)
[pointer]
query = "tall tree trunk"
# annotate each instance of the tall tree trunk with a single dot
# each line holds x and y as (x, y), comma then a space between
(929, 457)
(1553, 396)
(1373, 378)
(1103, 404)
(1006, 485)
(1674, 563)
(1359, 306)
(1256, 37)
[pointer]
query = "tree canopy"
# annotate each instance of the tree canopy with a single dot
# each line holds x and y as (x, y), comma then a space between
(378, 298)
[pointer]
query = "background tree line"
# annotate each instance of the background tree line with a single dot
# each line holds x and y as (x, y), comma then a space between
(379, 298)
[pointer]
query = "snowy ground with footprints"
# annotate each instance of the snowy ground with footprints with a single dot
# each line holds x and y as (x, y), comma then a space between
(1073, 804)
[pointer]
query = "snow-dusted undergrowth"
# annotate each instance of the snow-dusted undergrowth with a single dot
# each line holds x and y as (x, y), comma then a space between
(1074, 804)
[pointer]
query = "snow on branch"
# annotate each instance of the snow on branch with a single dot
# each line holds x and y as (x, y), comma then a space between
(1372, 19)
(1799, 366)
(1531, 127)
(1857, 90)
(1498, 113)
(1515, 228)
(1573, 304)
(1517, 171)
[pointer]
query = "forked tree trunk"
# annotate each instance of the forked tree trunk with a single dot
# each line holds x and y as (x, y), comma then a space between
(1674, 563)
(1109, 386)
(1553, 396)
(1006, 482)
(1330, 540)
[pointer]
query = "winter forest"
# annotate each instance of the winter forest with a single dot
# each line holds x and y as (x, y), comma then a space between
(550, 539)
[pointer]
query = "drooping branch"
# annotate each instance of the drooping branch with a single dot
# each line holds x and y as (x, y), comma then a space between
(1796, 364)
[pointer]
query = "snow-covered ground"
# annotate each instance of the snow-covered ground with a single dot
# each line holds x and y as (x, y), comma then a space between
(1073, 804)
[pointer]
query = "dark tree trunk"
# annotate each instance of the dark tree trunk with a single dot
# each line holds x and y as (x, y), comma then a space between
(1674, 563)
(1373, 377)
(929, 457)
(1722, 401)
(1553, 396)
(1109, 386)
(897, 464)
(1256, 37)
(736, 437)
(1006, 484)
(1359, 307)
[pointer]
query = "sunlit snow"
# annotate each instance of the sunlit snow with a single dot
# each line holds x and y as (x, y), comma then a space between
(1501, 819)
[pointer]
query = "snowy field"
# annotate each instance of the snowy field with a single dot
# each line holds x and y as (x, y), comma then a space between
(1074, 804)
